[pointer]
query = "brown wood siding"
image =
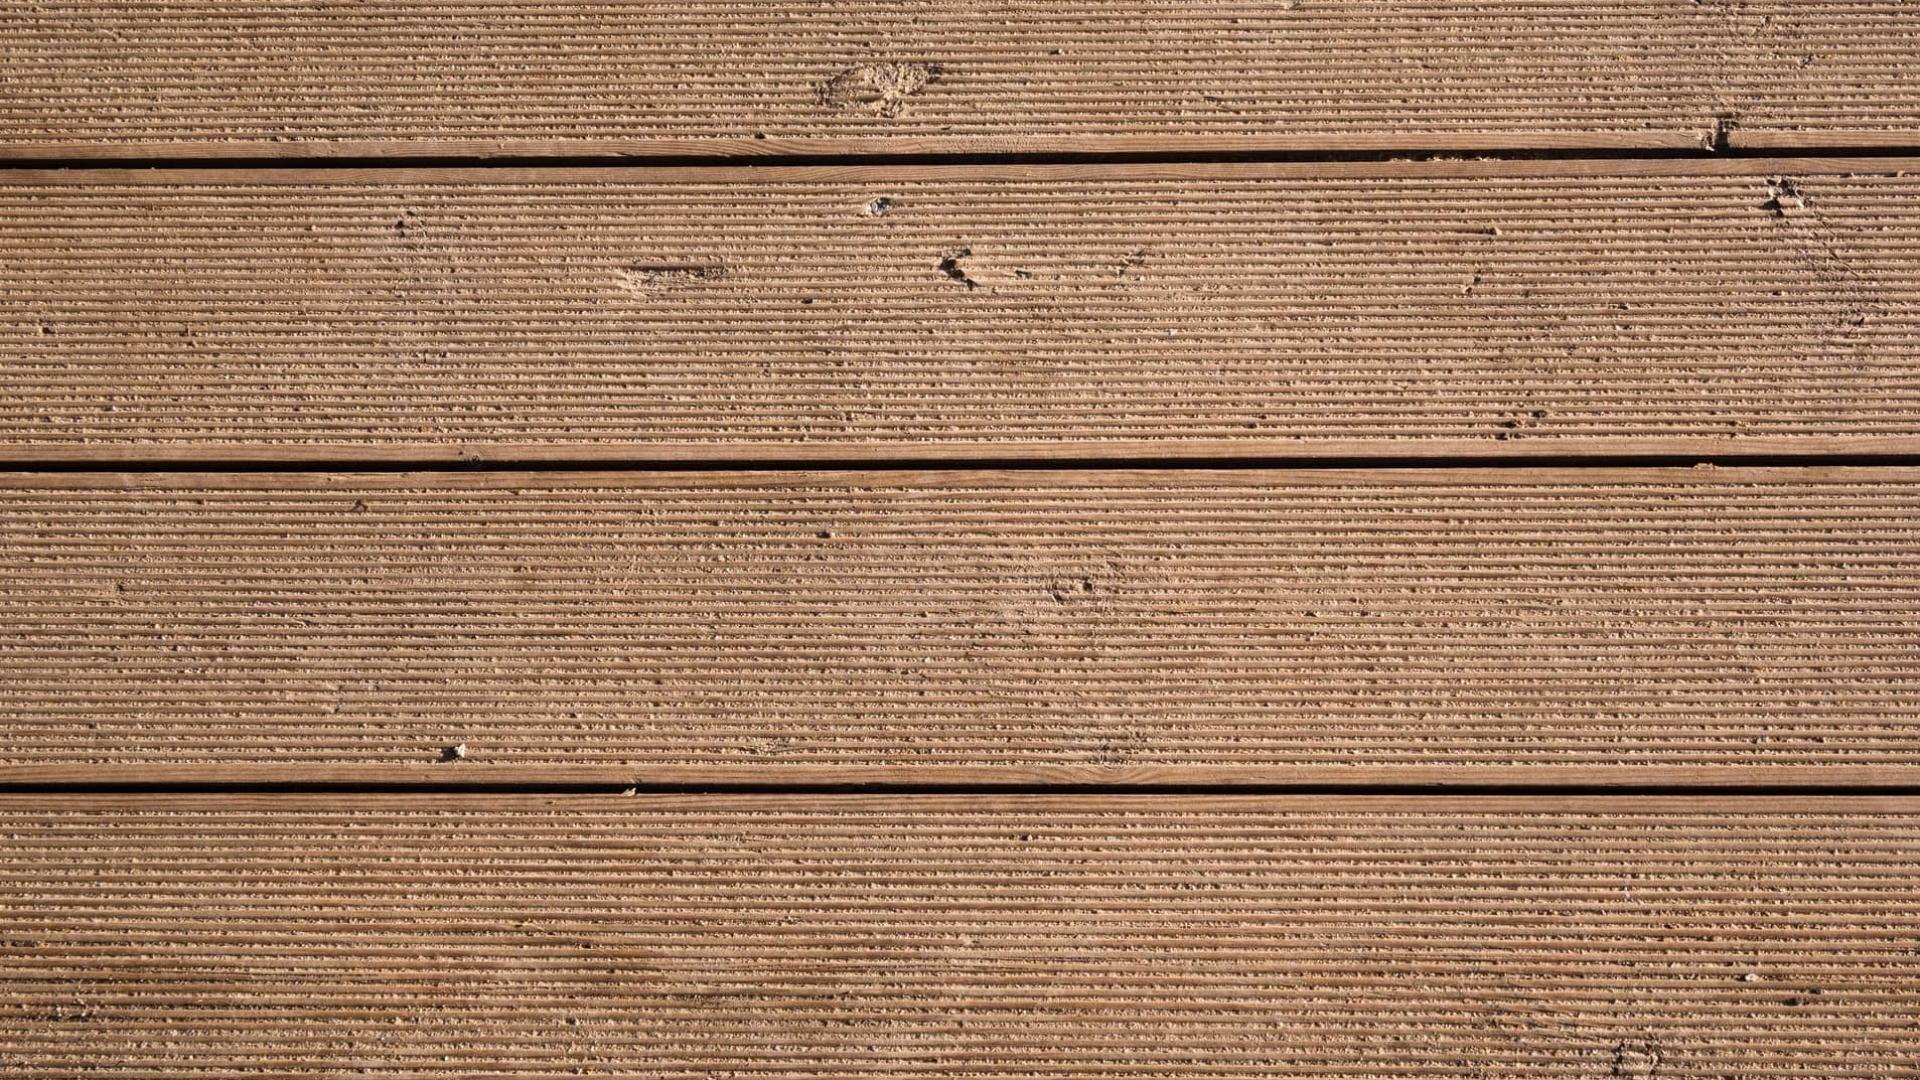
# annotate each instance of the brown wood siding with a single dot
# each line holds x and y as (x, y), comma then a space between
(1428, 310)
(833, 936)
(1015, 540)
(431, 78)
(1234, 621)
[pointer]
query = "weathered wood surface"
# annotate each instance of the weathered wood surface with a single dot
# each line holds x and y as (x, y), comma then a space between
(1404, 309)
(1239, 623)
(165, 936)
(339, 77)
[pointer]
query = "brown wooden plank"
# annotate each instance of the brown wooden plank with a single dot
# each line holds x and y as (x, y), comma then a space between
(1400, 308)
(161, 936)
(770, 626)
(81, 78)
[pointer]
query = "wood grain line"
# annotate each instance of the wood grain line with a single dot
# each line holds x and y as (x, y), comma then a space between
(442, 777)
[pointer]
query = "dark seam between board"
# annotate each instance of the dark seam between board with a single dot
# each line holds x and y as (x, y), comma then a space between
(1090, 157)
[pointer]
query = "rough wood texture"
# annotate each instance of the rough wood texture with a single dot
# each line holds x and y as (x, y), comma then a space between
(162, 936)
(1489, 308)
(225, 77)
(1246, 620)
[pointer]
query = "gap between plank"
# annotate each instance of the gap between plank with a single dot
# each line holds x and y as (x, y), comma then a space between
(1517, 781)
(958, 463)
(909, 790)
(987, 159)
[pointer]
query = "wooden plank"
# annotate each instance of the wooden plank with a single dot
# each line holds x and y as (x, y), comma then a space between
(1262, 625)
(160, 936)
(79, 78)
(1161, 311)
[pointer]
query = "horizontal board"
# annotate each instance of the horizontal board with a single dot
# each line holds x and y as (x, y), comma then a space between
(161, 936)
(334, 77)
(1123, 624)
(1404, 309)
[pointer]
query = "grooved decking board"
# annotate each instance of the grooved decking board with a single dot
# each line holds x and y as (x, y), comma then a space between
(1127, 625)
(227, 77)
(825, 936)
(1409, 309)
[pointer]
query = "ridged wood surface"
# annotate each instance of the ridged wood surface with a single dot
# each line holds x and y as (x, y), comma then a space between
(1158, 637)
(213, 77)
(1490, 308)
(831, 936)
(1242, 619)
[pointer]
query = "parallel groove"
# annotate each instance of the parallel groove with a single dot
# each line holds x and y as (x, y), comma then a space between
(1003, 936)
(1637, 627)
(950, 624)
(320, 77)
(1498, 308)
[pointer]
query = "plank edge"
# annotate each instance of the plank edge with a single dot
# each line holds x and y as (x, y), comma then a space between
(758, 147)
(21, 455)
(1445, 167)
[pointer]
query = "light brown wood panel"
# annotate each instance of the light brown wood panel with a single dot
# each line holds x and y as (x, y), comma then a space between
(165, 936)
(1209, 624)
(1400, 309)
(81, 78)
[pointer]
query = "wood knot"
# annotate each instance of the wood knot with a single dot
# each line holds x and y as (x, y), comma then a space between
(1635, 1059)
(1068, 590)
(668, 276)
(877, 88)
